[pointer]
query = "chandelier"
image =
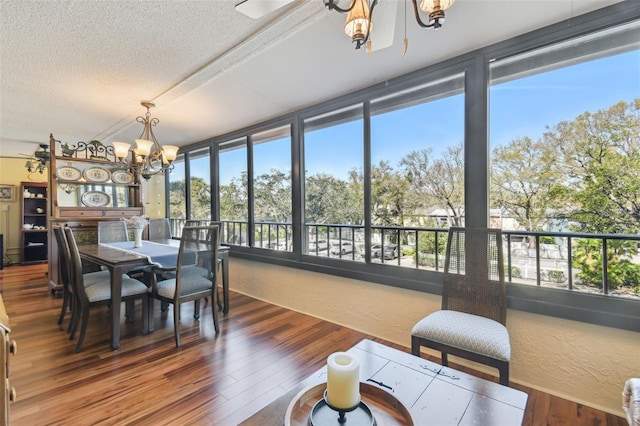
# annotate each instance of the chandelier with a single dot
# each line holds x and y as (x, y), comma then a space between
(38, 161)
(148, 157)
(360, 17)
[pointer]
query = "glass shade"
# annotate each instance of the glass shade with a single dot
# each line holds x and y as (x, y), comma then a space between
(357, 25)
(429, 6)
(144, 147)
(121, 149)
(169, 152)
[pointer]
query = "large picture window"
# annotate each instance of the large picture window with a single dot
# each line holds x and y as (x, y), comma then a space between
(334, 200)
(272, 189)
(234, 197)
(545, 146)
(565, 157)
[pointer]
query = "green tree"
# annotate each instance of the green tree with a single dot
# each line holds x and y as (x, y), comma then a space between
(332, 200)
(437, 181)
(601, 153)
(177, 200)
(525, 181)
(200, 198)
(621, 271)
(234, 199)
(272, 196)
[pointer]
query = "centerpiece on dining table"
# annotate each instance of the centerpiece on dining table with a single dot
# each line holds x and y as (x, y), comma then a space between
(137, 223)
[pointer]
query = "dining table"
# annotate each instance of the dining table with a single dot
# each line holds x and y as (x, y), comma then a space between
(122, 257)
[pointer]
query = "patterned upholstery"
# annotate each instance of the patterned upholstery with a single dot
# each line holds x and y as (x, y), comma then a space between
(195, 279)
(465, 331)
(472, 321)
(101, 291)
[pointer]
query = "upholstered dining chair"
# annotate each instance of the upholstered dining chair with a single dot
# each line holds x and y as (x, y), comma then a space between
(99, 292)
(159, 229)
(472, 321)
(195, 277)
(112, 231)
(204, 235)
(64, 265)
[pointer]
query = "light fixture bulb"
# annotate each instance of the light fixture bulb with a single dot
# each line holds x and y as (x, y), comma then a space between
(429, 6)
(358, 22)
(144, 147)
(121, 149)
(169, 153)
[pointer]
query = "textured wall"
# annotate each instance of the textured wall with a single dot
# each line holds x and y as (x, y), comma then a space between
(580, 362)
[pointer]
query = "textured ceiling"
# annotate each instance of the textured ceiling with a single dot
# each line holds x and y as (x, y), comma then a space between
(78, 69)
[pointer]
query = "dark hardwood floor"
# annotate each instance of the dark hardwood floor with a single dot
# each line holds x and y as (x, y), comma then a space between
(262, 351)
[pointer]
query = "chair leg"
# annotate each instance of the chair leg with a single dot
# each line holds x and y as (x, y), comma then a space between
(415, 346)
(504, 373)
(145, 313)
(196, 309)
(76, 316)
(130, 310)
(215, 310)
(65, 305)
(445, 360)
(176, 323)
(83, 327)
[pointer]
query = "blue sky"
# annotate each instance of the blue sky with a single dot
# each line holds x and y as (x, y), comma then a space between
(523, 107)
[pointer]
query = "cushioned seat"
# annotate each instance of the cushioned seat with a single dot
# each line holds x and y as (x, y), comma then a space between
(194, 277)
(472, 321)
(465, 331)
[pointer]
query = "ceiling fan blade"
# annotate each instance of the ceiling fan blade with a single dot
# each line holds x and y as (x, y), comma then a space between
(258, 8)
(384, 23)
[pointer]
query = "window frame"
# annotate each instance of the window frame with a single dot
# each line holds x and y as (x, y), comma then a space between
(589, 308)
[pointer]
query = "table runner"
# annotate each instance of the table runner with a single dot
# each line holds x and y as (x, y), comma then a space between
(160, 254)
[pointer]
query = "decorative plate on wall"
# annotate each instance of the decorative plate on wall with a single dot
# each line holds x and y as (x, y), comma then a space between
(95, 199)
(96, 174)
(68, 173)
(121, 176)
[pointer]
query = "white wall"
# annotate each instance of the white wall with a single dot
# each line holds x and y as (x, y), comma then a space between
(584, 363)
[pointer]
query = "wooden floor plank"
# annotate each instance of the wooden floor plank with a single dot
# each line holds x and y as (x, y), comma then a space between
(261, 352)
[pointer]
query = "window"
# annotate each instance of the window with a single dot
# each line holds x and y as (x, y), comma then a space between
(233, 191)
(177, 190)
(272, 189)
(200, 184)
(565, 157)
(417, 172)
(334, 199)
(375, 178)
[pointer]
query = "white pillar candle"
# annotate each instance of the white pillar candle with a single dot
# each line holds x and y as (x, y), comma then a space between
(343, 380)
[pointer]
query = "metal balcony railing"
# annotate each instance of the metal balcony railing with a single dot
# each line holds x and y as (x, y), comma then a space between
(527, 259)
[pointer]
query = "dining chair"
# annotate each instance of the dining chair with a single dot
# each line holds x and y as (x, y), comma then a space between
(64, 264)
(159, 229)
(472, 321)
(99, 292)
(112, 231)
(204, 235)
(195, 275)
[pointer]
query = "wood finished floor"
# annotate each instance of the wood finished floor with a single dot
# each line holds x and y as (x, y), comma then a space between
(261, 352)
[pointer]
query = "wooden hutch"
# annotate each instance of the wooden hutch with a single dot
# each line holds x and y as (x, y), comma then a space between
(87, 184)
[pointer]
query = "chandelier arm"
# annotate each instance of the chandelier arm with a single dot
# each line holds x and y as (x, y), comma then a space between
(331, 5)
(422, 24)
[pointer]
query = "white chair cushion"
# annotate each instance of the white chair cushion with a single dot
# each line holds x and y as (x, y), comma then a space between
(102, 290)
(465, 331)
